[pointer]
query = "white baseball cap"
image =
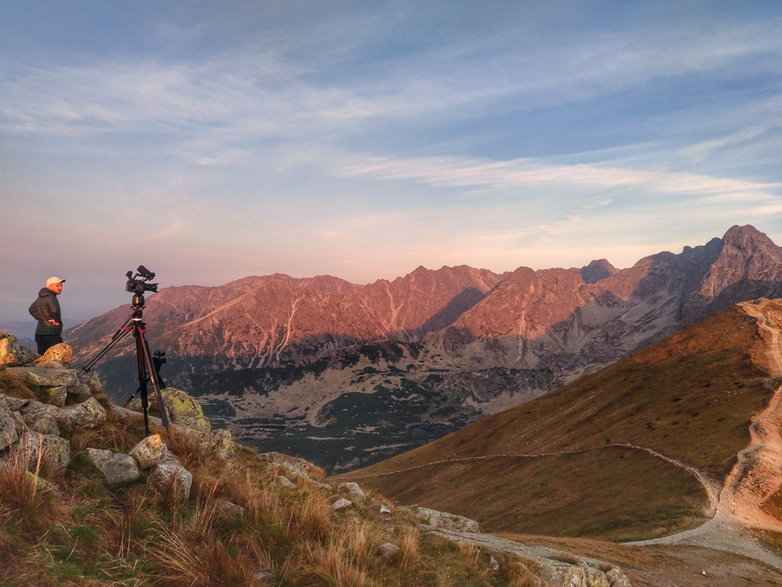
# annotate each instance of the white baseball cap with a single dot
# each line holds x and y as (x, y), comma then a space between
(52, 280)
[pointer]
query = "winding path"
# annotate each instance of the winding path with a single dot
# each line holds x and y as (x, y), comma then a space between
(756, 476)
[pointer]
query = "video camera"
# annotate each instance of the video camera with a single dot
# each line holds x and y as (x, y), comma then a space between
(137, 283)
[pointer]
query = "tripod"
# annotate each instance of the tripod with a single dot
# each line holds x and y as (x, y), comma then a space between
(148, 366)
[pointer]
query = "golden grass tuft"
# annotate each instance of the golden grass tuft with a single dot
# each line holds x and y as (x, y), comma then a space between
(470, 552)
(336, 565)
(409, 554)
(24, 493)
(313, 517)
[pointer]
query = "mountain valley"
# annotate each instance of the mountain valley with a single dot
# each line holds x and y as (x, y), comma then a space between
(346, 375)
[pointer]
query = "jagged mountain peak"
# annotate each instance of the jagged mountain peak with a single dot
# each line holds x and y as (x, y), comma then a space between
(750, 240)
(749, 261)
(597, 270)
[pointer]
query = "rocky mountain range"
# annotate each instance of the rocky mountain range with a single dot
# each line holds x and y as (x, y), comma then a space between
(676, 444)
(345, 374)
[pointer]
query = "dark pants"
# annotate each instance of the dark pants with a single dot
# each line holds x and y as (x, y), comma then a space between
(46, 340)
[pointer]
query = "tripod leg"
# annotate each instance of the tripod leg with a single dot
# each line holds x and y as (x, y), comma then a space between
(147, 356)
(142, 377)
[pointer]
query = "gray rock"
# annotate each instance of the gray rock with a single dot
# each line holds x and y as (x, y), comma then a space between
(40, 417)
(14, 404)
(89, 414)
(388, 550)
(128, 415)
(8, 433)
(617, 578)
(219, 441)
(41, 451)
(229, 509)
(355, 493)
(182, 409)
(285, 482)
(222, 443)
(56, 451)
(170, 474)
(149, 451)
(290, 466)
(341, 504)
(80, 391)
(552, 567)
(13, 353)
(117, 468)
(263, 578)
(47, 382)
(444, 520)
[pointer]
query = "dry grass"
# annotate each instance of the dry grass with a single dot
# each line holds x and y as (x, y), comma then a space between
(22, 486)
(336, 565)
(239, 524)
(689, 397)
(13, 386)
(518, 573)
(409, 548)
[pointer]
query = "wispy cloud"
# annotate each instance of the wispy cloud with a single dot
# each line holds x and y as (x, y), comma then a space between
(520, 173)
(698, 152)
(267, 91)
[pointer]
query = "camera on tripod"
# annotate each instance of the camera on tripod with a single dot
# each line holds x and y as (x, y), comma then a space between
(137, 283)
(148, 364)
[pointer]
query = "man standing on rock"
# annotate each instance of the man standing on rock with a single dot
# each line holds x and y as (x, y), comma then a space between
(46, 309)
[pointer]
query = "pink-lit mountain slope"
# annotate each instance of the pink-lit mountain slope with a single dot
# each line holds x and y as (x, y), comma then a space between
(396, 363)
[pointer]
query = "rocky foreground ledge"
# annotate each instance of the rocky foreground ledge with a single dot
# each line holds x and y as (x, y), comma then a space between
(35, 430)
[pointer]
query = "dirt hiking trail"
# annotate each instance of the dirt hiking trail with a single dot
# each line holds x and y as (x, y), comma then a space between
(757, 474)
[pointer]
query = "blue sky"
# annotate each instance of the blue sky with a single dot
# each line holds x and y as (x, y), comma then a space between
(214, 140)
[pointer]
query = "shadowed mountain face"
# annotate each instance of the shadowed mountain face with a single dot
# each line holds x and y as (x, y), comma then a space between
(380, 368)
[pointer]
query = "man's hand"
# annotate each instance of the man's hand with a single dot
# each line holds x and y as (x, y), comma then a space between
(53, 322)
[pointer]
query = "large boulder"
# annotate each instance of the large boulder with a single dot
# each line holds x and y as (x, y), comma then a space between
(47, 383)
(444, 520)
(40, 417)
(48, 451)
(117, 468)
(13, 353)
(183, 410)
(170, 475)
(89, 414)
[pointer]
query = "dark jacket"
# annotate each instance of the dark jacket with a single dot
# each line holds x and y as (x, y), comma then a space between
(44, 308)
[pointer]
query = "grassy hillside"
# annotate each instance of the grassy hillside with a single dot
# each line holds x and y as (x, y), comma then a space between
(242, 525)
(689, 397)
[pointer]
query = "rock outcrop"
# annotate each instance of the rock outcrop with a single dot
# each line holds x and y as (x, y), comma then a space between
(182, 409)
(13, 353)
(33, 430)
